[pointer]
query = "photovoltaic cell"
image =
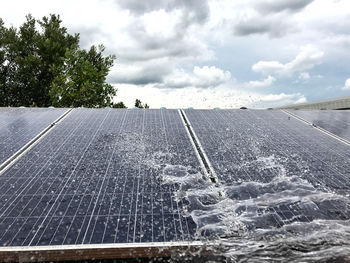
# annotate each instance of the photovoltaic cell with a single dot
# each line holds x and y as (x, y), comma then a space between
(280, 169)
(97, 177)
(334, 121)
(18, 126)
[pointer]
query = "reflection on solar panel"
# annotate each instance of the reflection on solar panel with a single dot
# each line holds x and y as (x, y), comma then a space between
(97, 178)
(276, 168)
(336, 122)
(19, 126)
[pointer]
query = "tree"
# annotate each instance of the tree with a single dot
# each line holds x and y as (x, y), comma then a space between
(81, 80)
(41, 64)
(138, 104)
(3, 66)
(53, 44)
(119, 105)
(7, 63)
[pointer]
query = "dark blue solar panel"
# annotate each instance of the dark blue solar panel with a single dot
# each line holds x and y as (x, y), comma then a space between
(275, 169)
(18, 126)
(99, 177)
(337, 122)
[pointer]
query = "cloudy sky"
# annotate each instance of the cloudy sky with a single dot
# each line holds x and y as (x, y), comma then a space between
(212, 53)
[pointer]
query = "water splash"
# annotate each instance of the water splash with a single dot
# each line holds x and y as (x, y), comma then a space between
(286, 218)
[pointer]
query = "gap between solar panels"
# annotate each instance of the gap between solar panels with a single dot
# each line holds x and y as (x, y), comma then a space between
(317, 127)
(8, 163)
(203, 158)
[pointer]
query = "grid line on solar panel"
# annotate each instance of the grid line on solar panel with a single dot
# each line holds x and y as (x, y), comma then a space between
(71, 174)
(48, 199)
(19, 126)
(288, 136)
(243, 146)
(29, 179)
(112, 194)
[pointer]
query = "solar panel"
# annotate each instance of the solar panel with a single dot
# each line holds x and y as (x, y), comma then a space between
(141, 179)
(334, 121)
(275, 169)
(18, 126)
(99, 177)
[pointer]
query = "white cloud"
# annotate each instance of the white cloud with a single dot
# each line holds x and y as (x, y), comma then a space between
(261, 84)
(201, 77)
(301, 100)
(160, 42)
(338, 40)
(268, 67)
(202, 98)
(347, 85)
(157, 43)
(304, 76)
(308, 57)
(281, 99)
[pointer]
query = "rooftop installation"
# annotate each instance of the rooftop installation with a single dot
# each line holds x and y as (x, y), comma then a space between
(342, 103)
(107, 183)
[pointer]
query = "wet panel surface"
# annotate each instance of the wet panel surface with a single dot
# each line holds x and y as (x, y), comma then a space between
(284, 186)
(334, 121)
(18, 126)
(97, 177)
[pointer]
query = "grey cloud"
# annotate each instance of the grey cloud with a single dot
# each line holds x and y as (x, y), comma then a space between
(194, 10)
(146, 58)
(156, 55)
(175, 52)
(140, 7)
(276, 6)
(142, 75)
(142, 79)
(272, 17)
(145, 49)
(261, 25)
(149, 47)
(88, 35)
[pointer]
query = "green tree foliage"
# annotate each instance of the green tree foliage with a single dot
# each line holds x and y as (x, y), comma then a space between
(138, 104)
(41, 64)
(81, 80)
(119, 105)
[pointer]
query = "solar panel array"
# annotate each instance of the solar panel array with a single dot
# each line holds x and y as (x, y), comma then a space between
(96, 178)
(100, 175)
(336, 122)
(257, 151)
(18, 126)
